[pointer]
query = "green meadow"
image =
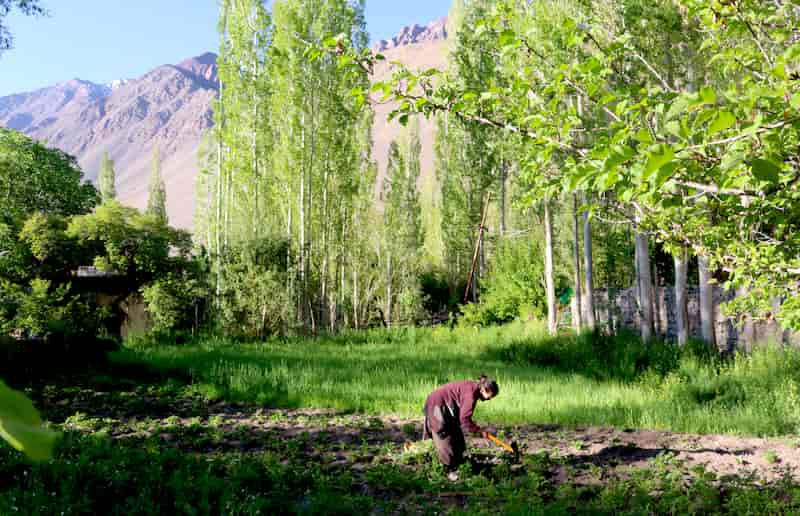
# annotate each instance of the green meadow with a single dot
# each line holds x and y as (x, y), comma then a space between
(569, 380)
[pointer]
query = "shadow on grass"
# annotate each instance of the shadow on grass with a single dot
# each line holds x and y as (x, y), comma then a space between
(621, 357)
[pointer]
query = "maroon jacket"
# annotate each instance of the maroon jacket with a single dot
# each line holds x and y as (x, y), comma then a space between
(457, 397)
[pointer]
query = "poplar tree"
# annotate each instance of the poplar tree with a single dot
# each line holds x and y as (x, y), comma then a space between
(320, 149)
(467, 155)
(107, 179)
(157, 192)
(402, 228)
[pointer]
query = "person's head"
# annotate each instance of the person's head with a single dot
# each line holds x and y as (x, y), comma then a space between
(487, 387)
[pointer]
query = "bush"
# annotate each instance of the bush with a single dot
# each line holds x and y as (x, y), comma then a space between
(172, 300)
(44, 312)
(514, 284)
(255, 300)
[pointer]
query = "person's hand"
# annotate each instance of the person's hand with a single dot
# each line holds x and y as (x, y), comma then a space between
(487, 430)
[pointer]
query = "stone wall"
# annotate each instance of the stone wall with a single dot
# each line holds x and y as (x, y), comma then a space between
(624, 313)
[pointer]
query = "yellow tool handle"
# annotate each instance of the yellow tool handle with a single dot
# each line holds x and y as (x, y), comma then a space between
(507, 447)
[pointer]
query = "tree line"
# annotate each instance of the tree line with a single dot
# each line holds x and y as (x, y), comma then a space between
(675, 119)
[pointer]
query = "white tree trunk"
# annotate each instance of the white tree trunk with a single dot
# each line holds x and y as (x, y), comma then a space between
(548, 270)
(645, 287)
(577, 320)
(503, 198)
(588, 268)
(681, 297)
(707, 321)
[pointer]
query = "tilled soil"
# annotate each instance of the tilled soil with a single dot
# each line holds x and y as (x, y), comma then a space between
(341, 440)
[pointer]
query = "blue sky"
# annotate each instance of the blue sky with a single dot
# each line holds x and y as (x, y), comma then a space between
(105, 40)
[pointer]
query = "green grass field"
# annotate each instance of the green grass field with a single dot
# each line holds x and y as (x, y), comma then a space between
(213, 426)
(567, 380)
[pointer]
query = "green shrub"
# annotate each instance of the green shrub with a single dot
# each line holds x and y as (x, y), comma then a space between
(172, 300)
(255, 300)
(513, 285)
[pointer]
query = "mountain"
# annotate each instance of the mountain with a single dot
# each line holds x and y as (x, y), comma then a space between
(414, 34)
(169, 108)
(425, 49)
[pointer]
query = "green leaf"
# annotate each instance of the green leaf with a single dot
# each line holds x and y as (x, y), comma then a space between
(658, 158)
(765, 170)
(678, 107)
(707, 96)
(665, 173)
(644, 136)
(724, 120)
(674, 128)
(21, 426)
(795, 102)
(507, 38)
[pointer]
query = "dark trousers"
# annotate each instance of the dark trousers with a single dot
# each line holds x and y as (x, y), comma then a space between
(444, 428)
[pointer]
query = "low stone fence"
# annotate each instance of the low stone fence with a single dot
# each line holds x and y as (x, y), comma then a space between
(731, 335)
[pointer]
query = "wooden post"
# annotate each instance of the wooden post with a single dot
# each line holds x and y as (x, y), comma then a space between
(471, 278)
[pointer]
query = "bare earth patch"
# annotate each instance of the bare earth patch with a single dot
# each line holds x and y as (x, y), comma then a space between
(354, 441)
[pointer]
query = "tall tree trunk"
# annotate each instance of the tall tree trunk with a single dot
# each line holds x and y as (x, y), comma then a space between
(218, 216)
(681, 296)
(707, 321)
(356, 319)
(503, 166)
(645, 287)
(254, 143)
(324, 280)
(482, 263)
(747, 333)
(388, 315)
(656, 304)
(218, 226)
(548, 270)
(301, 207)
(577, 320)
(588, 260)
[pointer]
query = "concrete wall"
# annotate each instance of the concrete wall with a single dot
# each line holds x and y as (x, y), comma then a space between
(624, 313)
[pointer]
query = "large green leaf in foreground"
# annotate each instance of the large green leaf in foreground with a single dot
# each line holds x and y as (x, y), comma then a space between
(21, 425)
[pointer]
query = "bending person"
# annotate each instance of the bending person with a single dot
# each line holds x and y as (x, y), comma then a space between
(448, 414)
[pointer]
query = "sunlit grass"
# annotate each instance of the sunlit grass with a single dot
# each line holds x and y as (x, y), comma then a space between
(570, 380)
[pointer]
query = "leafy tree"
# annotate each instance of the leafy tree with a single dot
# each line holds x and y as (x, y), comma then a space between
(27, 7)
(707, 163)
(139, 246)
(467, 154)
(513, 286)
(20, 424)
(36, 178)
(42, 187)
(107, 179)
(321, 156)
(402, 228)
(173, 299)
(157, 192)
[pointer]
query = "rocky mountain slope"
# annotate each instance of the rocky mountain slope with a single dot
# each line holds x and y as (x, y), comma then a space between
(169, 108)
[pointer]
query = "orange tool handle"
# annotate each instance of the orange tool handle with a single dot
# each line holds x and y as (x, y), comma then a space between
(507, 447)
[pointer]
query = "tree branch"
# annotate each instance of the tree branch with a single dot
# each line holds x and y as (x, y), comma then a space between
(655, 73)
(732, 139)
(715, 189)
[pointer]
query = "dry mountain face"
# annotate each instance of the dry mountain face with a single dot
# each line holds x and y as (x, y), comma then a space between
(169, 108)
